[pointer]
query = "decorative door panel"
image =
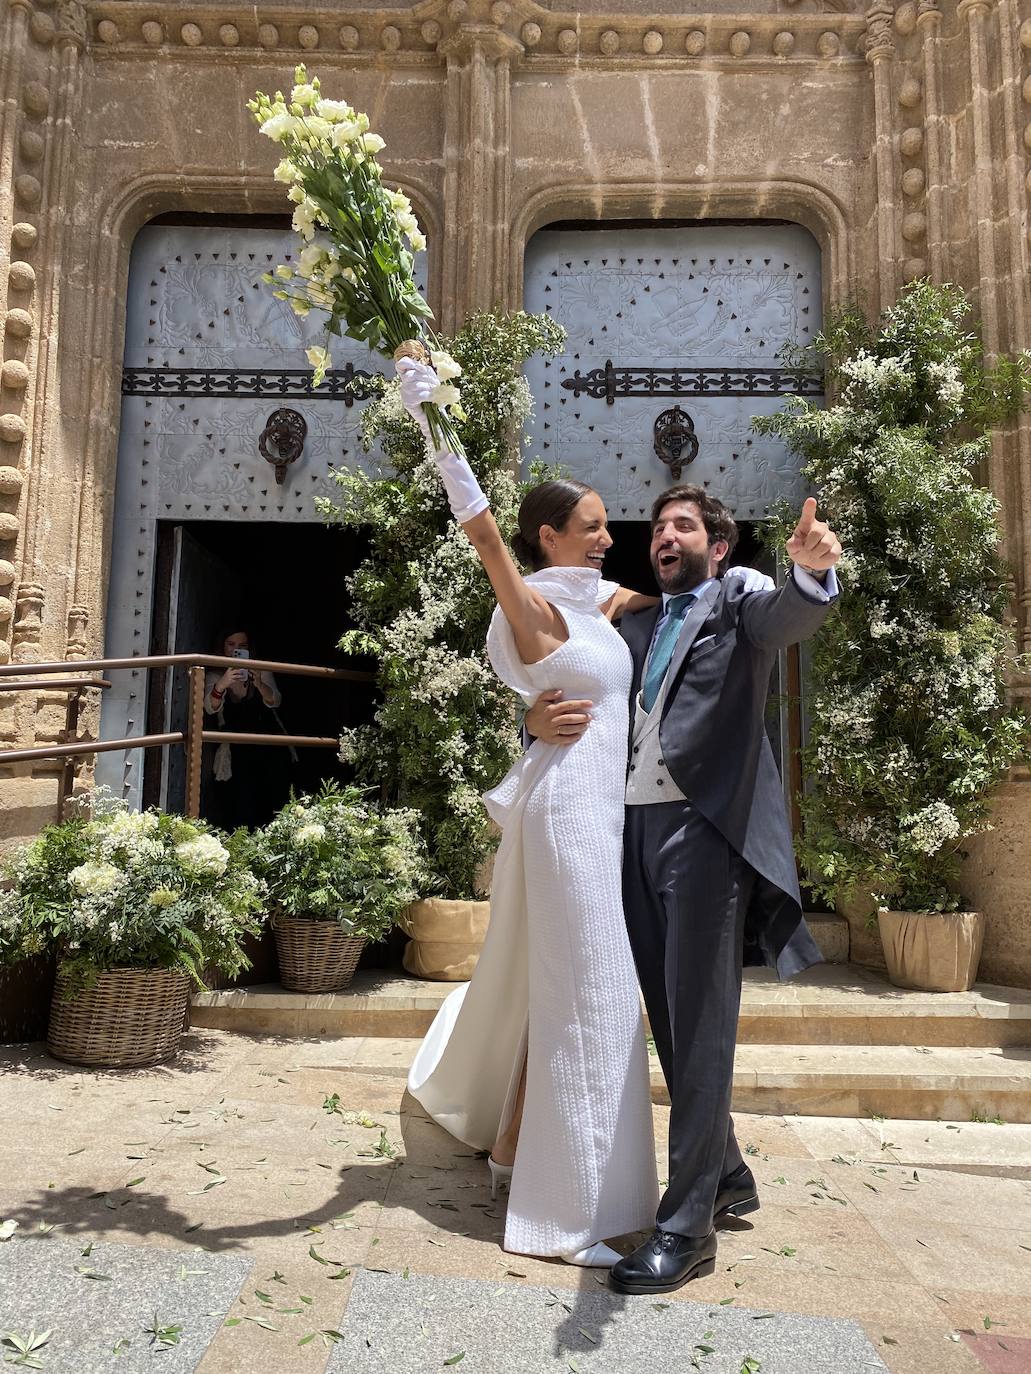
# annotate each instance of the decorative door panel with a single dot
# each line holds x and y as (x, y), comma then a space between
(210, 355)
(695, 318)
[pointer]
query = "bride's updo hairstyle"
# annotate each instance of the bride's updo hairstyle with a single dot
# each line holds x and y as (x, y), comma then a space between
(551, 503)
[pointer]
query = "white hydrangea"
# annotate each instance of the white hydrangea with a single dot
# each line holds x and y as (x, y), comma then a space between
(96, 879)
(932, 827)
(203, 856)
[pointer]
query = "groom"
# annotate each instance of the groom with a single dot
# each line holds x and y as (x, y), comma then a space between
(708, 869)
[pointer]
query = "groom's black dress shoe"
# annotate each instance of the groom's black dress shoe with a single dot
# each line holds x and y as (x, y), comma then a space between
(737, 1196)
(665, 1262)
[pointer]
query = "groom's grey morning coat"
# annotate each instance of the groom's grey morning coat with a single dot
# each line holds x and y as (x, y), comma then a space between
(715, 747)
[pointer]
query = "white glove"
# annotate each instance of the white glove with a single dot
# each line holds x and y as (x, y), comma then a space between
(419, 384)
(754, 580)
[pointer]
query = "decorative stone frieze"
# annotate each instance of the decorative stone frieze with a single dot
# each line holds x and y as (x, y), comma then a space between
(108, 31)
(567, 42)
(390, 38)
(531, 34)
(652, 42)
(348, 37)
(828, 44)
(42, 28)
(694, 43)
(35, 98)
(609, 42)
(31, 145)
(740, 43)
(431, 32)
(192, 35)
(308, 37)
(229, 35)
(152, 32)
(905, 18)
(18, 323)
(783, 44)
(28, 190)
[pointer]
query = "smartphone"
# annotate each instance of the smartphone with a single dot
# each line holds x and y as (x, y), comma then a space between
(243, 653)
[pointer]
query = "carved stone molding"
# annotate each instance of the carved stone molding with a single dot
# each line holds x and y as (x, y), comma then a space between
(830, 31)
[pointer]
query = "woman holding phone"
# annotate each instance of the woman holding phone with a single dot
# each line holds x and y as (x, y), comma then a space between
(246, 783)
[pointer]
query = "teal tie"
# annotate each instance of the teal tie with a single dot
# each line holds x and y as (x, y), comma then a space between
(662, 649)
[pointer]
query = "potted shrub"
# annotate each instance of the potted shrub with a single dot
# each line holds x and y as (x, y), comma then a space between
(135, 906)
(909, 725)
(339, 872)
(445, 730)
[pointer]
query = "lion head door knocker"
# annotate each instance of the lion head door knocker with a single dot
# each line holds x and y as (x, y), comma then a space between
(281, 442)
(676, 443)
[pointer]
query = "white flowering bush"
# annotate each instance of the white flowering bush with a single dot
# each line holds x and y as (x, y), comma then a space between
(122, 888)
(909, 723)
(445, 729)
(336, 856)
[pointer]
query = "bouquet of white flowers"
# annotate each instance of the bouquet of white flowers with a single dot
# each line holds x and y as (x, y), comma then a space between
(359, 239)
(335, 856)
(130, 889)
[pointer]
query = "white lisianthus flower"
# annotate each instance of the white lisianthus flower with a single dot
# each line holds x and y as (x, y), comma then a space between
(311, 259)
(329, 269)
(334, 111)
(407, 222)
(350, 130)
(373, 144)
(203, 856)
(306, 95)
(299, 307)
(296, 194)
(444, 365)
(284, 271)
(280, 125)
(317, 130)
(309, 834)
(320, 361)
(304, 219)
(286, 171)
(399, 202)
(445, 395)
(418, 242)
(94, 880)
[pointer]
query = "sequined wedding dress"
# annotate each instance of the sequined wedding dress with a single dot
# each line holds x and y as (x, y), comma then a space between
(556, 978)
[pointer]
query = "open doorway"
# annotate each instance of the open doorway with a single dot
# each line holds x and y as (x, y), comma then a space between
(285, 585)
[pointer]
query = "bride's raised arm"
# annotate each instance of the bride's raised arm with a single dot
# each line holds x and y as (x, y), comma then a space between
(538, 629)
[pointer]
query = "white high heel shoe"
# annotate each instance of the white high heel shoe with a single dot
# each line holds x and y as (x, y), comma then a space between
(499, 1174)
(597, 1256)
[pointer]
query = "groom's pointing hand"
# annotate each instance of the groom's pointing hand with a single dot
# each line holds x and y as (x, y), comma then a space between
(556, 721)
(813, 546)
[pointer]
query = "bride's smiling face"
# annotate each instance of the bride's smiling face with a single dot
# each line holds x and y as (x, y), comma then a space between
(584, 540)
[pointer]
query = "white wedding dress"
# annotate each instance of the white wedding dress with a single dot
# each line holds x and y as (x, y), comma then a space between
(556, 978)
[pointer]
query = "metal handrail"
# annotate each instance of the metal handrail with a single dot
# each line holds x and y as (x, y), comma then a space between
(193, 738)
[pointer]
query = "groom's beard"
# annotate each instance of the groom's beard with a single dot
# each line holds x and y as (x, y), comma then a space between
(690, 572)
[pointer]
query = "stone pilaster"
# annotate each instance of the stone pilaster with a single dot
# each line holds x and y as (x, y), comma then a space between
(880, 53)
(479, 57)
(929, 21)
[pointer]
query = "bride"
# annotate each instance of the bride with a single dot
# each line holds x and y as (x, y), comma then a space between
(541, 1059)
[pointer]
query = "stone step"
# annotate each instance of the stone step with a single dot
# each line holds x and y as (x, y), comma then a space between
(903, 1082)
(830, 1005)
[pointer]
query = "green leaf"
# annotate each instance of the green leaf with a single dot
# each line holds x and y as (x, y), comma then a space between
(455, 1359)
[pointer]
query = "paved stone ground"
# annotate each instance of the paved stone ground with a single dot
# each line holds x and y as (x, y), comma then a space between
(220, 1196)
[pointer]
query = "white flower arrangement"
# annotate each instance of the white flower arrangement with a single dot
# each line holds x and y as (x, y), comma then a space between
(123, 888)
(910, 728)
(360, 239)
(336, 856)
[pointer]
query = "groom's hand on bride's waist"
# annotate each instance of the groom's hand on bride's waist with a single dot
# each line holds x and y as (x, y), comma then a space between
(556, 721)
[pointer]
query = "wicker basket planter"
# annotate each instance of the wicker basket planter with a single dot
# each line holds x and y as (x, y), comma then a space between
(130, 1018)
(932, 951)
(446, 938)
(315, 955)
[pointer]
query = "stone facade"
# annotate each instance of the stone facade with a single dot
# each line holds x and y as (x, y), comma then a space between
(899, 136)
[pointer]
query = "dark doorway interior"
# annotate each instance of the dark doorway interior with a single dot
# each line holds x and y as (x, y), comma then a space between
(285, 585)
